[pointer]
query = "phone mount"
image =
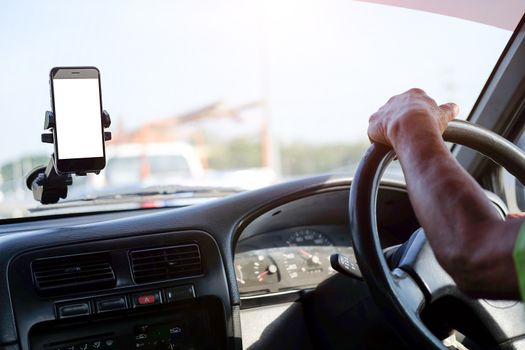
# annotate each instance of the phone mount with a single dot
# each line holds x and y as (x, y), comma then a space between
(47, 185)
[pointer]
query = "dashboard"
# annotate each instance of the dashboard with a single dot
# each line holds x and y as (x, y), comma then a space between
(177, 278)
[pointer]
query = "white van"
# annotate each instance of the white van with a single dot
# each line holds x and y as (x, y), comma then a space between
(152, 163)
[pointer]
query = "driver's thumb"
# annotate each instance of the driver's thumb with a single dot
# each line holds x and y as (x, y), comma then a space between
(450, 111)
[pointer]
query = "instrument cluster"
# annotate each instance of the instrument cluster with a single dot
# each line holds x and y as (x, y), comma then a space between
(295, 258)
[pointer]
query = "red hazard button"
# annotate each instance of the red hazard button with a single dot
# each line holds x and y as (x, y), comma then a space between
(146, 298)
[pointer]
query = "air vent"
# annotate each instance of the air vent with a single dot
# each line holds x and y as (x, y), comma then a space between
(65, 274)
(153, 265)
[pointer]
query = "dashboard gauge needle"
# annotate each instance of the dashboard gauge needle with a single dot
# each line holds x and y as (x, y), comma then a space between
(260, 276)
(312, 258)
(271, 269)
(305, 253)
(239, 275)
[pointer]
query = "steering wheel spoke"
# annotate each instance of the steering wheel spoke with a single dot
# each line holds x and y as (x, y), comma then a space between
(420, 262)
(408, 292)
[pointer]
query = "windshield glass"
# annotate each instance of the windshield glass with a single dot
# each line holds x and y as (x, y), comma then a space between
(227, 93)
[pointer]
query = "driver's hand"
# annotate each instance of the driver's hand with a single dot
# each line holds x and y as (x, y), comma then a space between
(410, 114)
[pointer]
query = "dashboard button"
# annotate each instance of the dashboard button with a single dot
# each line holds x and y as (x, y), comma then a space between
(73, 310)
(146, 299)
(111, 304)
(179, 293)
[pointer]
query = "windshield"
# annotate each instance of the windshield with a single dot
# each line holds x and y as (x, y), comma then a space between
(227, 93)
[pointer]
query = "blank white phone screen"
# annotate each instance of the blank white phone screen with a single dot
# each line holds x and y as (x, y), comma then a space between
(78, 119)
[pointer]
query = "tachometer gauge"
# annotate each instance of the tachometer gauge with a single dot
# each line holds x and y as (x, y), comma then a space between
(255, 269)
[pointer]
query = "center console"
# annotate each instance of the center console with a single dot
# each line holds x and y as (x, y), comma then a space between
(157, 291)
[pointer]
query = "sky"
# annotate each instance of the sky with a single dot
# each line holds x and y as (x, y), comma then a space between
(322, 67)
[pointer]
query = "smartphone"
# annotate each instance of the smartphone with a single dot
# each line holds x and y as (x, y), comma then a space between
(76, 101)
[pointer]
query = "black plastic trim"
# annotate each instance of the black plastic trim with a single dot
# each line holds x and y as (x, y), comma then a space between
(501, 102)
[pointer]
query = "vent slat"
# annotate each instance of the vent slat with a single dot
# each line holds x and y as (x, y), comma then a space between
(158, 273)
(174, 262)
(181, 256)
(165, 270)
(175, 252)
(54, 272)
(166, 263)
(65, 274)
(71, 276)
(52, 269)
(73, 281)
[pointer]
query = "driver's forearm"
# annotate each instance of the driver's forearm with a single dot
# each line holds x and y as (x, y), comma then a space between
(444, 196)
(469, 238)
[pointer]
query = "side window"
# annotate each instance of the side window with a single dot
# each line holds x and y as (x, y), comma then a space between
(519, 187)
(514, 190)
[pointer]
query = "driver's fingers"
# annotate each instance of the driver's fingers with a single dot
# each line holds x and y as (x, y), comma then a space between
(515, 215)
(449, 111)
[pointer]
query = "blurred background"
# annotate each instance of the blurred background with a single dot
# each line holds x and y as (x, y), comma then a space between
(227, 93)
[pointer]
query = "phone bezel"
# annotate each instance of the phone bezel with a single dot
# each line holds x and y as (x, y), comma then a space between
(77, 165)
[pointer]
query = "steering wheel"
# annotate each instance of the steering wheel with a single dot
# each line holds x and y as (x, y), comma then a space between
(418, 280)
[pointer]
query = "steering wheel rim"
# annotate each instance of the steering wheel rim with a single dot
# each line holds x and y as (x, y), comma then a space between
(385, 284)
